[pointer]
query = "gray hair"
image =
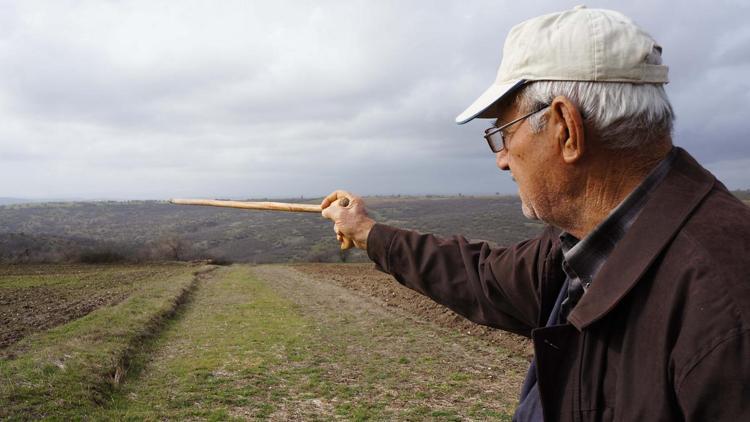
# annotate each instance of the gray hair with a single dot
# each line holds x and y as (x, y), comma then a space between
(624, 115)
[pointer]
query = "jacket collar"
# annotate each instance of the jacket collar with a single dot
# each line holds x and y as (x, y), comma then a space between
(666, 211)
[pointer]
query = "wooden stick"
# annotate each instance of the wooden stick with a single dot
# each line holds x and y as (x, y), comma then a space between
(269, 206)
(346, 243)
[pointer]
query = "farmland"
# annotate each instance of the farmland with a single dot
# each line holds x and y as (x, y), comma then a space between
(151, 230)
(152, 337)
(147, 231)
(276, 342)
(37, 297)
(148, 337)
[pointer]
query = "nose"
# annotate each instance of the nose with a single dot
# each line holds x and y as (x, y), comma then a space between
(501, 159)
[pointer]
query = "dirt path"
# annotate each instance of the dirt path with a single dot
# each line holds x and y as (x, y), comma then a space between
(398, 335)
(271, 342)
(387, 292)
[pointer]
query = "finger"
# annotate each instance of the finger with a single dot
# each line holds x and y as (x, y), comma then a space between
(339, 235)
(327, 200)
(331, 212)
(346, 243)
(327, 213)
(333, 196)
(355, 201)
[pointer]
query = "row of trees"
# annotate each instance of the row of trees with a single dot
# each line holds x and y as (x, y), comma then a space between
(20, 248)
(24, 249)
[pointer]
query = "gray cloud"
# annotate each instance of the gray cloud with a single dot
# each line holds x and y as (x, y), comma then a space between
(150, 100)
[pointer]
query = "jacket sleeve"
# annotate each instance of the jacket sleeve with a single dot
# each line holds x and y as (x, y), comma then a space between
(717, 386)
(498, 287)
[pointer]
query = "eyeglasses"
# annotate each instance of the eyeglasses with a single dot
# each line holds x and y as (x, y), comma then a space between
(495, 136)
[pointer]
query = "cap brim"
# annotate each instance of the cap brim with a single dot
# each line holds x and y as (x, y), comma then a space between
(489, 97)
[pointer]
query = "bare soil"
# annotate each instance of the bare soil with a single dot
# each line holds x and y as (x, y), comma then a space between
(366, 280)
(25, 311)
(31, 300)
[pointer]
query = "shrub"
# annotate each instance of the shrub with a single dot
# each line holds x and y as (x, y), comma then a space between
(101, 257)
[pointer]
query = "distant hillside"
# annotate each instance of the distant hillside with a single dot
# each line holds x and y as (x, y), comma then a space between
(156, 230)
(21, 247)
(153, 230)
(11, 201)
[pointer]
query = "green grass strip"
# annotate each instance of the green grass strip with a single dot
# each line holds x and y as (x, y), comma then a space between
(65, 372)
(220, 353)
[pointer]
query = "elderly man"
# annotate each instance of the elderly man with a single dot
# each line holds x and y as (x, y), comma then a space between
(637, 295)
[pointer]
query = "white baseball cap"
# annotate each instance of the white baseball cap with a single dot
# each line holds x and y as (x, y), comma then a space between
(575, 45)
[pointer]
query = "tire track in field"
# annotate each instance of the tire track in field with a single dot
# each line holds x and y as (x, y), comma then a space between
(157, 323)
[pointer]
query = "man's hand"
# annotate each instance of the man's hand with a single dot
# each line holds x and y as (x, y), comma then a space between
(350, 221)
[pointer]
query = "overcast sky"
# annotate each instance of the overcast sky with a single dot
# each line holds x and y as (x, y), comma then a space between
(128, 100)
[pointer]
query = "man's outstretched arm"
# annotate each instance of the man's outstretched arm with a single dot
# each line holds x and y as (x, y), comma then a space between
(490, 286)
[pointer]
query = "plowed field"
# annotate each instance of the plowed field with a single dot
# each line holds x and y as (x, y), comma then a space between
(270, 342)
(38, 297)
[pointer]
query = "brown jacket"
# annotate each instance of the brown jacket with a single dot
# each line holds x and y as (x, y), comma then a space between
(663, 333)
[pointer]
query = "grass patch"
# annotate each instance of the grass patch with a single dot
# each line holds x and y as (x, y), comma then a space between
(221, 357)
(68, 370)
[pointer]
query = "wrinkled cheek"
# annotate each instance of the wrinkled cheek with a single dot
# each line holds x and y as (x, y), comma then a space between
(529, 192)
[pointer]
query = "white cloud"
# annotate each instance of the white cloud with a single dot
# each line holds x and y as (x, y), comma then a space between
(152, 99)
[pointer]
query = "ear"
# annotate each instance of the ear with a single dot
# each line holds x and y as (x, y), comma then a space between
(567, 124)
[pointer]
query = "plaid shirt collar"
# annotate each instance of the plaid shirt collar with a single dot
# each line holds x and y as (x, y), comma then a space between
(584, 258)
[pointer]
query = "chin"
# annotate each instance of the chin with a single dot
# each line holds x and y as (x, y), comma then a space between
(528, 211)
(526, 208)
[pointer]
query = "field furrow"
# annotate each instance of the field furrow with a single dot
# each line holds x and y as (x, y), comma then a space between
(271, 342)
(65, 372)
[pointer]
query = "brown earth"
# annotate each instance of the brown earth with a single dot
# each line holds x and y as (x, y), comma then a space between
(25, 311)
(39, 306)
(366, 280)
(32, 299)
